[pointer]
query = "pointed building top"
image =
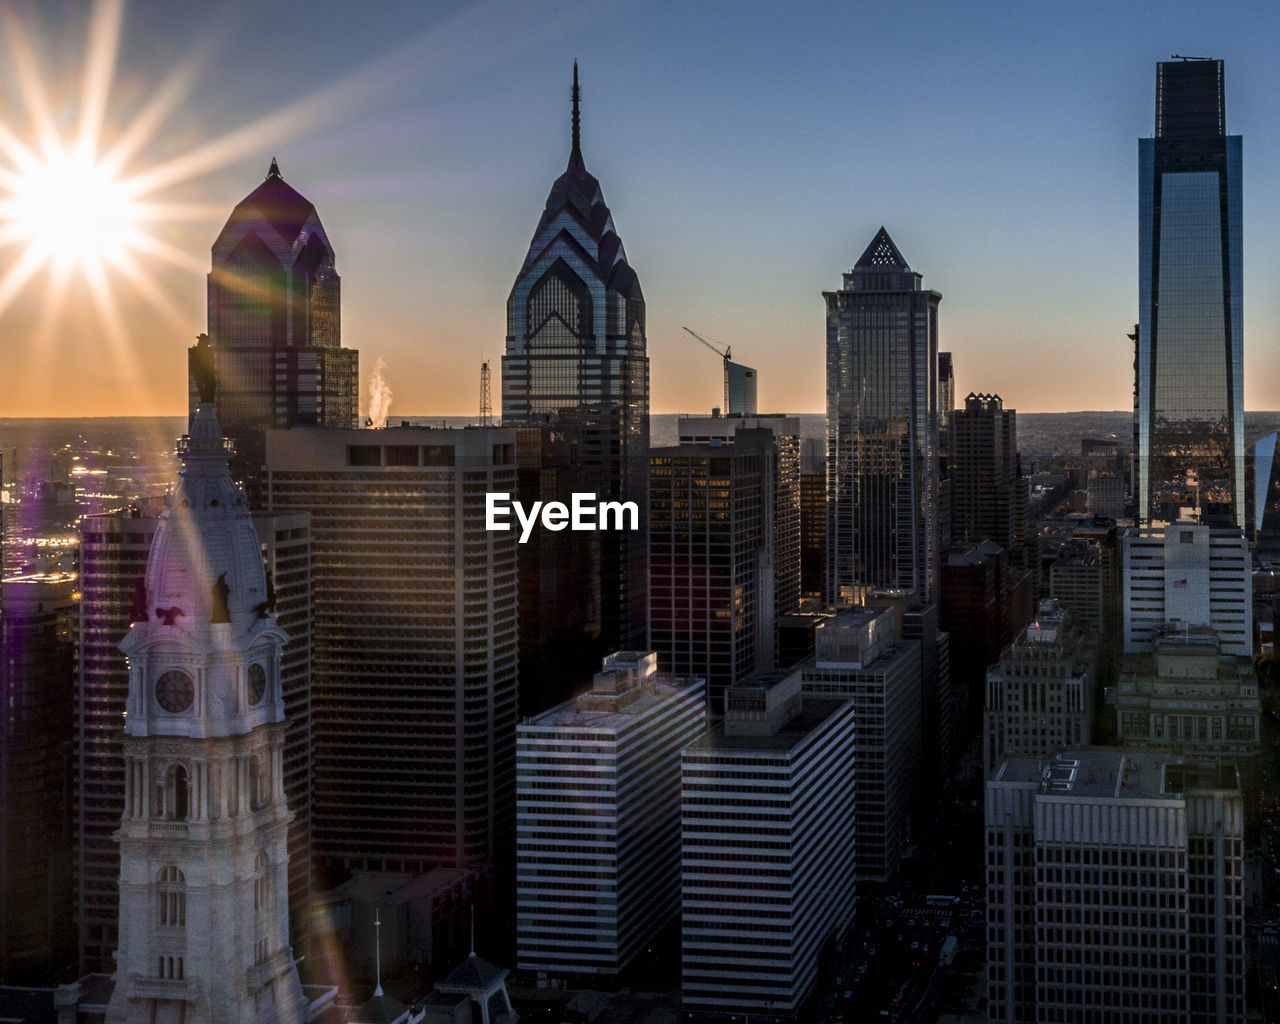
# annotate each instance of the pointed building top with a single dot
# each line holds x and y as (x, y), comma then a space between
(575, 154)
(274, 170)
(882, 253)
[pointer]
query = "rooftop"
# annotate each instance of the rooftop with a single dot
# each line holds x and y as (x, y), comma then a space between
(813, 713)
(1114, 773)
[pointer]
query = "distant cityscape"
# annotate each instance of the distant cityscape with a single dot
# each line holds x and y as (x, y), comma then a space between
(915, 709)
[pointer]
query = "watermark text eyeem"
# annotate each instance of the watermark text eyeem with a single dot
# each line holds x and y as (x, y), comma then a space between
(584, 512)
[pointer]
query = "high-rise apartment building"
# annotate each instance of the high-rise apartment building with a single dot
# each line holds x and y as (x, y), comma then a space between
(711, 539)
(598, 818)
(37, 673)
(786, 490)
(203, 893)
(984, 475)
(1189, 574)
(882, 429)
(274, 344)
(861, 656)
(1190, 287)
(1040, 695)
(414, 663)
(1115, 889)
(770, 881)
(576, 355)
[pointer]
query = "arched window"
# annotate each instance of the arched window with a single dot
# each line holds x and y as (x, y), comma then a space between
(261, 886)
(172, 888)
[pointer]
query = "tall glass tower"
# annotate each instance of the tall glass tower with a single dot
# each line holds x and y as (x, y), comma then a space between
(576, 359)
(1190, 334)
(882, 430)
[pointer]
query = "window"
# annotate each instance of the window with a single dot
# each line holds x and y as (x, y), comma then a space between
(172, 889)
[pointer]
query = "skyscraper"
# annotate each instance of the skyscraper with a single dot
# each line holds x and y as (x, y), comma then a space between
(203, 835)
(274, 327)
(576, 357)
(984, 476)
(882, 429)
(414, 664)
(1190, 334)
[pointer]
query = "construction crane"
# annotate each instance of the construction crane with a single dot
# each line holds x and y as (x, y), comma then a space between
(726, 355)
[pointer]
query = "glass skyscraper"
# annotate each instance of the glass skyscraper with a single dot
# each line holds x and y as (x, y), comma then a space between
(1190, 335)
(576, 359)
(882, 430)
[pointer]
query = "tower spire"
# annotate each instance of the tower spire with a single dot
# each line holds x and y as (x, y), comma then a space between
(575, 155)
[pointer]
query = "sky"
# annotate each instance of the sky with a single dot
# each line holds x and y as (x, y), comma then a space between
(748, 152)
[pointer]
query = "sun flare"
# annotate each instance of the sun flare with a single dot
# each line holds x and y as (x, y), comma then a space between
(71, 210)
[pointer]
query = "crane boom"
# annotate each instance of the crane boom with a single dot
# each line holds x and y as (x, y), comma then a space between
(723, 355)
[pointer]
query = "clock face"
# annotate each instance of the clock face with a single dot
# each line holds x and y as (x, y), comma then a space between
(257, 683)
(175, 691)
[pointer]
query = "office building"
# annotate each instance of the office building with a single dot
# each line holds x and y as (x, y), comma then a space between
(1186, 695)
(414, 658)
(113, 559)
(598, 818)
(1191, 574)
(37, 675)
(767, 883)
(813, 524)
(786, 490)
(740, 389)
(1041, 693)
(860, 656)
(1115, 889)
(204, 833)
(946, 414)
(274, 344)
(882, 429)
(576, 351)
(985, 476)
(711, 518)
(1266, 498)
(559, 572)
(1190, 287)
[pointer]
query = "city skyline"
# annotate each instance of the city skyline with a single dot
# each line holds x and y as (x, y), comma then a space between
(425, 141)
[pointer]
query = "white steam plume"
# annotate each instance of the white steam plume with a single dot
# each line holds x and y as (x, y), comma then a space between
(379, 396)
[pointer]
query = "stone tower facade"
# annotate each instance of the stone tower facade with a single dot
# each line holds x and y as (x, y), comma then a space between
(203, 852)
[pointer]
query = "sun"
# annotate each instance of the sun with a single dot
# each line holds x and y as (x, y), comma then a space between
(71, 210)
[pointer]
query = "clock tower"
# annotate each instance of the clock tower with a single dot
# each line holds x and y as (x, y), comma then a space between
(203, 856)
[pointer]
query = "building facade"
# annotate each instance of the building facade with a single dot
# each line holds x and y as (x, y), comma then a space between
(1190, 288)
(1040, 695)
(113, 561)
(1190, 574)
(882, 429)
(414, 662)
(204, 833)
(786, 490)
(37, 675)
(768, 882)
(985, 475)
(598, 818)
(711, 540)
(1115, 889)
(274, 344)
(576, 358)
(860, 656)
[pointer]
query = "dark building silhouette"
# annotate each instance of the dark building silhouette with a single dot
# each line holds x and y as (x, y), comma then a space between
(36, 681)
(274, 346)
(1190, 340)
(576, 350)
(985, 476)
(711, 606)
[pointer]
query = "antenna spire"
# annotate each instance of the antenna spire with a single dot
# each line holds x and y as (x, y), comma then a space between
(575, 155)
